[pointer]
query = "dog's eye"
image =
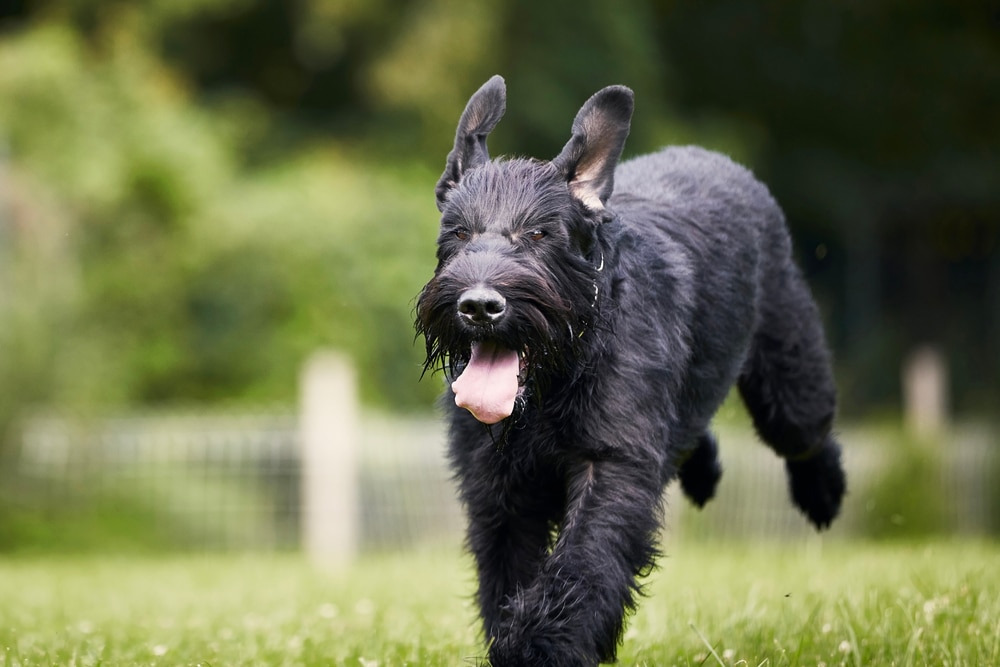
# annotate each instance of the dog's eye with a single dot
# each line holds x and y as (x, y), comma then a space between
(536, 235)
(462, 234)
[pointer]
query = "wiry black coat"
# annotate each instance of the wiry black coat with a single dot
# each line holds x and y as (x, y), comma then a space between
(638, 297)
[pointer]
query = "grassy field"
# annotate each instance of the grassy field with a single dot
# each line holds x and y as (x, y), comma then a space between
(733, 604)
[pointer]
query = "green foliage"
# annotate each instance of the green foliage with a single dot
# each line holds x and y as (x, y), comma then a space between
(145, 261)
(907, 500)
(317, 251)
(195, 194)
(109, 140)
(928, 604)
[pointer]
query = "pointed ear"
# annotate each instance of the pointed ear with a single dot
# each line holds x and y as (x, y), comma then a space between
(590, 157)
(481, 115)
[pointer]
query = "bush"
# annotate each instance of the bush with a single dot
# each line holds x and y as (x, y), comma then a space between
(907, 500)
(146, 261)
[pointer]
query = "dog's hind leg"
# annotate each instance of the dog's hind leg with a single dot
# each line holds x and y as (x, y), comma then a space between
(787, 386)
(700, 472)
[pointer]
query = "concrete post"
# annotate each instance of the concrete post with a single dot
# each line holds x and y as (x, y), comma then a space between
(329, 433)
(925, 392)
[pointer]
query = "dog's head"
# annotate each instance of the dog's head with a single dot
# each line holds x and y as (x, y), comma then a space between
(515, 285)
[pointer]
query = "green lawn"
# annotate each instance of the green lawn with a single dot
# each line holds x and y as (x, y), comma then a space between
(732, 604)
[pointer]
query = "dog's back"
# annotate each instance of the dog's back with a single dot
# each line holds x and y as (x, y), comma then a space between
(708, 227)
(691, 174)
(697, 194)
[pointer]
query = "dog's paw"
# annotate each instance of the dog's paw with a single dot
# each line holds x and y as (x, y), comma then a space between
(817, 484)
(536, 652)
(700, 474)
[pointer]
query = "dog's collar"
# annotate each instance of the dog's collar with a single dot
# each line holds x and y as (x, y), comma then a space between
(597, 290)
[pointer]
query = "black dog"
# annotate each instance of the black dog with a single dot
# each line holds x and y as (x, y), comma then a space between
(591, 318)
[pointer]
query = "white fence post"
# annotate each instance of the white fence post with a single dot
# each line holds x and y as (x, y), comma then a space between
(328, 414)
(925, 392)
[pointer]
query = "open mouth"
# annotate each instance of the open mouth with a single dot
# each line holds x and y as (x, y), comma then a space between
(491, 382)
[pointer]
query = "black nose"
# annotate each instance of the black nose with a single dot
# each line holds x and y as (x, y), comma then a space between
(481, 305)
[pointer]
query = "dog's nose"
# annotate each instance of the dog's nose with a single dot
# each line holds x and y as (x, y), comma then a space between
(481, 305)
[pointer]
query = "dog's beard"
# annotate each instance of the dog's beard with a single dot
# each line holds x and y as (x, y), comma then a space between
(546, 334)
(550, 306)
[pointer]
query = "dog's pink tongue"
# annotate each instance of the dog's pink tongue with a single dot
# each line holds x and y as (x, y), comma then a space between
(488, 386)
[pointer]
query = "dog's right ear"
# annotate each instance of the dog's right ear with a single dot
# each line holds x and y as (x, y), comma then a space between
(481, 115)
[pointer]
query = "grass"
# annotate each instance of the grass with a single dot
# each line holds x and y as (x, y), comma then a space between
(729, 604)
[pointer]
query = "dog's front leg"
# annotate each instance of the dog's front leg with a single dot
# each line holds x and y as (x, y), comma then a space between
(509, 550)
(574, 611)
(510, 514)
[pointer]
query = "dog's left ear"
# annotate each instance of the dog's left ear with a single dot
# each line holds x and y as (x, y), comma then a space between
(599, 131)
(481, 115)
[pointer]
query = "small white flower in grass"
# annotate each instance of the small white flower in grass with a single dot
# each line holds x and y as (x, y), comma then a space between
(85, 627)
(933, 606)
(826, 629)
(844, 646)
(728, 654)
(368, 663)
(159, 650)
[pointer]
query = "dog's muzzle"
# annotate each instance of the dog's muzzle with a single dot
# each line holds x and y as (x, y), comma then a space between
(490, 382)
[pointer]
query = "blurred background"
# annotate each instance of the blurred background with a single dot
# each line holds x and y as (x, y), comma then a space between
(197, 195)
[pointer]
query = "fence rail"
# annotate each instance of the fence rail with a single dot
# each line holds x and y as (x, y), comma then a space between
(236, 481)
